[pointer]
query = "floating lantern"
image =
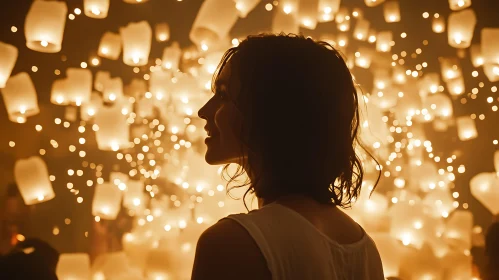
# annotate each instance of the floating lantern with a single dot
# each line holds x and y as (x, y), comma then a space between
(363, 58)
(171, 56)
(70, 114)
(327, 10)
(74, 266)
(398, 75)
(466, 128)
(213, 22)
(385, 99)
(110, 46)
(391, 10)
(496, 160)
(113, 133)
(491, 71)
(135, 1)
(344, 25)
(32, 179)
(429, 83)
(137, 88)
(476, 55)
(384, 41)
(113, 89)
(74, 90)
(307, 13)
(485, 188)
(372, 36)
(342, 41)
(289, 6)
(390, 251)
(44, 26)
(440, 105)
(458, 230)
(137, 247)
(136, 40)
(461, 28)
(113, 266)
(101, 79)
(439, 202)
(450, 68)
(407, 223)
(160, 84)
(20, 98)
(489, 45)
(119, 179)
(458, 266)
(96, 8)
(162, 32)
(457, 5)
(244, 7)
(373, 3)
(134, 196)
(456, 86)
(8, 57)
(438, 24)
(361, 29)
(89, 109)
(107, 201)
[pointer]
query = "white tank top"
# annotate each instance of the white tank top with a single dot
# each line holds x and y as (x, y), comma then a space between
(295, 249)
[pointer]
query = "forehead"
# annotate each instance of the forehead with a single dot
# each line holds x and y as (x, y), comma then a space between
(227, 74)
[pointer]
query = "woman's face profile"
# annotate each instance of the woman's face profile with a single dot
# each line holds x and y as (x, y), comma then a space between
(223, 120)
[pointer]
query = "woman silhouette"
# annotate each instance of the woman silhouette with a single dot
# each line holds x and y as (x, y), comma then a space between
(285, 109)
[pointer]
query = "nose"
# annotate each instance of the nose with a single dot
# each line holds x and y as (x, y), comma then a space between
(204, 111)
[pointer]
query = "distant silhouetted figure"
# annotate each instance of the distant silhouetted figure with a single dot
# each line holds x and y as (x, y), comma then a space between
(491, 271)
(30, 259)
(285, 108)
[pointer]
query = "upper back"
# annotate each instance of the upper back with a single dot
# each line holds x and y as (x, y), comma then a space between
(306, 246)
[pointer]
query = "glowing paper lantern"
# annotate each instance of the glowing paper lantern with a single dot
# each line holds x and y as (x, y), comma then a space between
(135, 1)
(440, 104)
(113, 89)
(496, 160)
(373, 3)
(89, 109)
(107, 201)
(307, 13)
(162, 32)
(119, 179)
(363, 58)
(289, 6)
(407, 223)
(458, 266)
(439, 202)
(466, 128)
(96, 8)
(136, 39)
(344, 25)
(327, 10)
(20, 98)
(476, 55)
(491, 71)
(456, 86)
(428, 84)
(438, 24)
(461, 28)
(213, 22)
(113, 266)
(100, 80)
(74, 90)
(113, 133)
(450, 68)
(44, 26)
(390, 251)
(457, 5)
(8, 57)
(110, 46)
(458, 230)
(391, 10)
(489, 48)
(74, 266)
(245, 6)
(384, 40)
(32, 179)
(385, 99)
(171, 56)
(485, 188)
(134, 195)
(361, 29)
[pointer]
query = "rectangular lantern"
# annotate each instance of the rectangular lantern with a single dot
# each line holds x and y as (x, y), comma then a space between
(384, 41)
(457, 5)
(44, 26)
(32, 179)
(450, 68)
(490, 53)
(96, 8)
(361, 29)
(134, 196)
(456, 86)
(373, 3)
(363, 58)
(8, 57)
(20, 98)
(74, 90)
(160, 85)
(491, 71)
(70, 114)
(113, 89)
(107, 201)
(89, 109)
(429, 83)
(162, 32)
(73, 266)
(213, 23)
(171, 56)
(136, 39)
(307, 13)
(391, 11)
(113, 133)
(327, 10)
(461, 27)
(466, 128)
(476, 55)
(110, 46)
(458, 230)
(244, 7)
(440, 105)
(101, 77)
(344, 25)
(119, 179)
(438, 24)
(398, 75)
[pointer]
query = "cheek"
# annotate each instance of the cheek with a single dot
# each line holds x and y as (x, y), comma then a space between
(228, 123)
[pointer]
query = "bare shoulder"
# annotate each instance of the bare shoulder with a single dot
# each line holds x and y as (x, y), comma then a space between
(227, 251)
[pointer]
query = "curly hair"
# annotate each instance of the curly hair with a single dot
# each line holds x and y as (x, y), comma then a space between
(300, 119)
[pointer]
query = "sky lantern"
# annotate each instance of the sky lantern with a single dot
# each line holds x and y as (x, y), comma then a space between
(363, 57)
(162, 32)
(113, 265)
(244, 7)
(100, 80)
(136, 39)
(8, 57)
(44, 26)
(107, 201)
(476, 55)
(407, 222)
(440, 104)
(171, 56)
(373, 3)
(20, 98)
(458, 230)
(438, 24)
(160, 84)
(113, 89)
(96, 8)
(466, 128)
(73, 266)
(450, 68)
(32, 179)
(328, 9)
(134, 195)
(490, 53)
(113, 133)
(485, 188)
(496, 160)
(74, 90)
(285, 22)
(384, 40)
(457, 5)
(361, 29)
(90, 108)
(307, 13)
(456, 86)
(439, 202)
(428, 84)
(458, 266)
(110, 46)
(391, 10)
(135, 1)
(213, 23)
(461, 27)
